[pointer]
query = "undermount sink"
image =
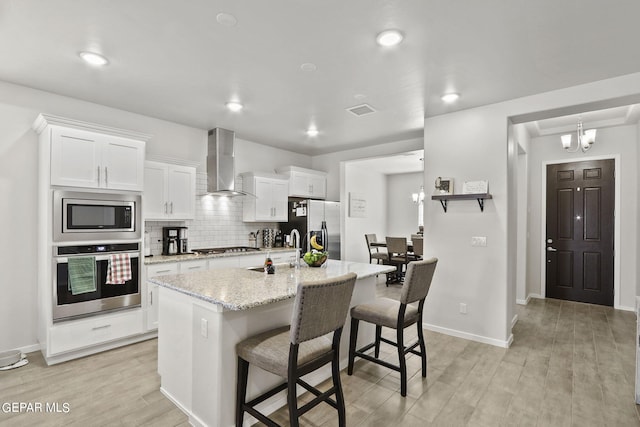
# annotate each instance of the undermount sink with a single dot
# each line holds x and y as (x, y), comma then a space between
(279, 267)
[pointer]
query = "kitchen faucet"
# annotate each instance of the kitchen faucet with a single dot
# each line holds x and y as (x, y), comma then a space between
(296, 233)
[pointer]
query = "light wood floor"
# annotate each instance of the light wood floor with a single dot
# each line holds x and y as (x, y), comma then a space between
(570, 364)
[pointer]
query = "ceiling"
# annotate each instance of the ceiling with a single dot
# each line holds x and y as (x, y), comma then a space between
(609, 117)
(173, 60)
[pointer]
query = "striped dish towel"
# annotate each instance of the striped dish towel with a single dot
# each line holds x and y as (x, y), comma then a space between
(119, 269)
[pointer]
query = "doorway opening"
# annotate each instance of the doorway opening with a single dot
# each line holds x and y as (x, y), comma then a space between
(579, 248)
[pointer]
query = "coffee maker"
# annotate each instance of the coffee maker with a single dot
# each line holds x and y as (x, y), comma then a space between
(174, 240)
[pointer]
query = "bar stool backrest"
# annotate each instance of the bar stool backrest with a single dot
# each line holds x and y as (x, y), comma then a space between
(417, 280)
(321, 307)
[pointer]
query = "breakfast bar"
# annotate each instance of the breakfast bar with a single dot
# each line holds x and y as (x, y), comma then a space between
(202, 315)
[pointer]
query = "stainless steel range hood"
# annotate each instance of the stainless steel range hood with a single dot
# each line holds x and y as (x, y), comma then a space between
(221, 171)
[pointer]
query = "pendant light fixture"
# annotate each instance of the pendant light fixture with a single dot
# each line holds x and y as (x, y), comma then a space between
(585, 138)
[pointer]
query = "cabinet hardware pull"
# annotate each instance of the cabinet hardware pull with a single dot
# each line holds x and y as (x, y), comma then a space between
(106, 176)
(151, 298)
(98, 175)
(163, 271)
(193, 268)
(171, 207)
(100, 327)
(166, 209)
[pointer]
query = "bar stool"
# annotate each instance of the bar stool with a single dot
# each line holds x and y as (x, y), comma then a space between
(320, 308)
(374, 253)
(395, 315)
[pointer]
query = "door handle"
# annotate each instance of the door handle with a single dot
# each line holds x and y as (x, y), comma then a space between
(550, 249)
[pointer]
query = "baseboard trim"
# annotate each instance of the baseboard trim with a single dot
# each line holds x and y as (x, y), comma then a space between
(524, 301)
(510, 340)
(468, 336)
(514, 321)
(536, 296)
(625, 308)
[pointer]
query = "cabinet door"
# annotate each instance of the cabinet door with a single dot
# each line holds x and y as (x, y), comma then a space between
(123, 162)
(318, 186)
(191, 266)
(155, 190)
(300, 185)
(279, 200)
(75, 158)
(152, 291)
(264, 199)
(182, 192)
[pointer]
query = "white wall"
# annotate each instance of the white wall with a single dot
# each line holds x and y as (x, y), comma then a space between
(472, 144)
(402, 212)
(620, 140)
(372, 186)
(331, 162)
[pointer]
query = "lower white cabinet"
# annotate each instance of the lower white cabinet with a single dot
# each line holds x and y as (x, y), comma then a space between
(152, 290)
(77, 334)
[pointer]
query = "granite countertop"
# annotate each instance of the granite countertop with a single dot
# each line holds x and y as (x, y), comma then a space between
(159, 259)
(242, 289)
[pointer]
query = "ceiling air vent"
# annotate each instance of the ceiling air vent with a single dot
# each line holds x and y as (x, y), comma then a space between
(361, 110)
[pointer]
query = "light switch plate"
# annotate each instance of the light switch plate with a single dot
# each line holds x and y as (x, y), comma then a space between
(479, 241)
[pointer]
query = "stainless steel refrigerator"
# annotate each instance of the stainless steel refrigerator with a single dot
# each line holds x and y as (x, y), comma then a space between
(307, 216)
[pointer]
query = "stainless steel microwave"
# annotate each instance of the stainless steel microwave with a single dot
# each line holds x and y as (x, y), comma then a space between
(80, 216)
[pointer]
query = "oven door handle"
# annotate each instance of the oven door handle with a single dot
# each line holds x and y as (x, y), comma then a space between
(64, 259)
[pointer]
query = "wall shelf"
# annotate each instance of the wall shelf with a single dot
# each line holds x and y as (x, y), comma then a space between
(444, 198)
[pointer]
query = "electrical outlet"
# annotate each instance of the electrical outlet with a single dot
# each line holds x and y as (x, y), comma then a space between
(463, 308)
(204, 328)
(479, 241)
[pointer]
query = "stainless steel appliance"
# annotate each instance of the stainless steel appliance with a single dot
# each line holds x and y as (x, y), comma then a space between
(84, 216)
(174, 240)
(307, 217)
(106, 297)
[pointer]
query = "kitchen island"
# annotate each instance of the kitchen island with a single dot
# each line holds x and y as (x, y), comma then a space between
(202, 315)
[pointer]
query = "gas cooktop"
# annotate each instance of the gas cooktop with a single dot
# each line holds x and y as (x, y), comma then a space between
(226, 250)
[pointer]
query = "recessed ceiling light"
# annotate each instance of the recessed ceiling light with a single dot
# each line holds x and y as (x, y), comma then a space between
(312, 132)
(93, 58)
(234, 106)
(450, 97)
(226, 19)
(308, 66)
(389, 38)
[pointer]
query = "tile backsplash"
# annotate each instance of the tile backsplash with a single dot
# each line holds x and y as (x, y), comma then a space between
(218, 222)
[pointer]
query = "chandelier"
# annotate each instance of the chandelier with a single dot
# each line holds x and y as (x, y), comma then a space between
(585, 138)
(418, 197)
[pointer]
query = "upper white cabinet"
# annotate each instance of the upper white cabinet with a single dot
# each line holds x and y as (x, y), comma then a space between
(271, 197)
(169, 191)
(92, 156)
(306, 183)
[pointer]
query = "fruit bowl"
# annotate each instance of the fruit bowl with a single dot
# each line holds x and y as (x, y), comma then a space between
(315, 259)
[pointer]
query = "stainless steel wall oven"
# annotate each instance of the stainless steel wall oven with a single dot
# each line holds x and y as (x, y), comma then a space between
(102, 296)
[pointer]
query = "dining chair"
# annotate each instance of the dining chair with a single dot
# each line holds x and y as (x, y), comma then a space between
(418, 249)
(374, 253)
(396, 315)
(398, 255)
(320, 308)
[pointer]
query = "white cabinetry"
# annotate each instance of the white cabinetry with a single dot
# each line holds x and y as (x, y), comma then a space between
(152, 290)
(169, 192)
(86, 159)
(271, 197)
(305, 183)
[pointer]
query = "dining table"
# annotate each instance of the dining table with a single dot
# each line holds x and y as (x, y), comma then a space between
(384, 245)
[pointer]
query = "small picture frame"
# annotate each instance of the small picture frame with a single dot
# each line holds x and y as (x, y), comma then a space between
(444, 185)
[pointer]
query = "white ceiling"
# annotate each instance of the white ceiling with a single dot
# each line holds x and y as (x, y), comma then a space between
(172, 60)
(618, 116)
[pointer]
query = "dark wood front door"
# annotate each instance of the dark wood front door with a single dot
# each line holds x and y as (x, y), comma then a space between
(580, 218)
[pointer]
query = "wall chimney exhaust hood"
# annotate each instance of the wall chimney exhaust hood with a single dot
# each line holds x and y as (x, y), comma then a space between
(221, 171)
